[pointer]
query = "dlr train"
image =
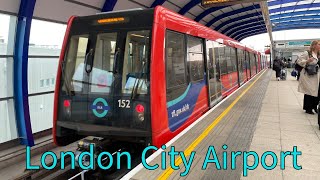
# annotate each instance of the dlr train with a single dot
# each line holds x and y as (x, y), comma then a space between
(143, 75)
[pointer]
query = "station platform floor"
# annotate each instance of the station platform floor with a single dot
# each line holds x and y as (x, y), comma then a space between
(263, 115)
(267, 117)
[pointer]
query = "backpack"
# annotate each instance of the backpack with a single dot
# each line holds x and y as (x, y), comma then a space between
(276, 65)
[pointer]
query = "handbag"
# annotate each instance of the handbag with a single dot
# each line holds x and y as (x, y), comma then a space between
(294, 73)
(312, 69)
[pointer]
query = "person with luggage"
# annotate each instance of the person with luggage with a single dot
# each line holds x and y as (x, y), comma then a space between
(309, 77)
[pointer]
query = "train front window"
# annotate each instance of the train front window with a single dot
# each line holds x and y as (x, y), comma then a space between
(101, 77)
(136, 62)
(74, 63)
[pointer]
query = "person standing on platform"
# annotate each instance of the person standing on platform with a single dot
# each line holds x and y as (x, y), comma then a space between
(309, 84)
(277, 64)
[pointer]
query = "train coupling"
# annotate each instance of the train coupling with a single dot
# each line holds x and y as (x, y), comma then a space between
(88, 151)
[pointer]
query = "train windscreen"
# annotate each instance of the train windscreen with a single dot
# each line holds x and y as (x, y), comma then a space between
(105, 77)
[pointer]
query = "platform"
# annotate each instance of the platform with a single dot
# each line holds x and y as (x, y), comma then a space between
(268, 117)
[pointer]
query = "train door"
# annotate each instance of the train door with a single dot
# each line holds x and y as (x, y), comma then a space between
(241, 66)
(247, 62)
(255, 57)
(213, 72)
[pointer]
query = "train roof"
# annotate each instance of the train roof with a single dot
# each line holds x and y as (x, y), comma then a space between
(200, 30)
(160, 14)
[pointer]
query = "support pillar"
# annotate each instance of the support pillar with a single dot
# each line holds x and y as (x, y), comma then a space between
(20, 72)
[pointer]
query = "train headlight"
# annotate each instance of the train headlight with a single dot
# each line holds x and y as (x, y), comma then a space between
(140, 108)
(67, 107)
(140, 112)
(141, 117)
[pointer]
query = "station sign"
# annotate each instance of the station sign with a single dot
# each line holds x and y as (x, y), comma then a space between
(293, 44)
(215, 3)
(298, 44)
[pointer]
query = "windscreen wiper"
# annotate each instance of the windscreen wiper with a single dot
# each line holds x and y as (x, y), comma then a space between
(88, 62)
(116, 54)
(137, 82)
(67, 83)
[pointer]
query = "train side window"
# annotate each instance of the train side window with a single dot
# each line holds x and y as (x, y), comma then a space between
(136, 62)
(233, 59)
(222, 56)
(228, 59)
(175, 50)
(195, 60)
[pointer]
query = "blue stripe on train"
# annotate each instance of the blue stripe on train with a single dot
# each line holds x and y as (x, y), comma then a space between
(181, 108)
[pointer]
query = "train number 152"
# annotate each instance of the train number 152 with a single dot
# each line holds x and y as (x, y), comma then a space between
(124, 103)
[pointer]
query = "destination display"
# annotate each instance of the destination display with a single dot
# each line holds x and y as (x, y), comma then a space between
(214, 3)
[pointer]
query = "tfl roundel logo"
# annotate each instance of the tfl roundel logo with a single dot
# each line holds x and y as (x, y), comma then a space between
(100, 107)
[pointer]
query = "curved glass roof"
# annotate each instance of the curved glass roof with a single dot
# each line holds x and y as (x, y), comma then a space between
(237, 21)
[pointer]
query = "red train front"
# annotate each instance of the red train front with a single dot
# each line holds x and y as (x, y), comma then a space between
(143, 75)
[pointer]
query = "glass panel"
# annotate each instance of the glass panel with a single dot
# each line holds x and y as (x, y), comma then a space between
(40, 73)
(222, 57)
(46, 38)
(228, 59)
(196, 66)
(6, 75)
(41, 112)
(101, 77)
(72, 74)
(233, 59)
(241, 64)
(7, 33)
(7, 121)
(136, 60)
(195, 60)
(175, 59)
(194, 44)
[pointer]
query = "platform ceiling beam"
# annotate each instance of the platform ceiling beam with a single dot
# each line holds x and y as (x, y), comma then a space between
(295, 7)
(249, 33)
(297, 26)
(296, 18)
(157, 3)
(293, 14)
(207, 12)
(108, 5)
(240, 18)
(274, 3)
(240, 38)
(244, 27)
(189, 6)
(249, 29)
(231, 13)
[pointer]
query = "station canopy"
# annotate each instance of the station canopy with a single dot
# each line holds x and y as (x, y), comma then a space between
(239, 21)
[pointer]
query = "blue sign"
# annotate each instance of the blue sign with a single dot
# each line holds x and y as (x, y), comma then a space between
(100, 107)
(299, 43)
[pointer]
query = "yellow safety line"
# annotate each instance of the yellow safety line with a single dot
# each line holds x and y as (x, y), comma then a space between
(166, 174)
